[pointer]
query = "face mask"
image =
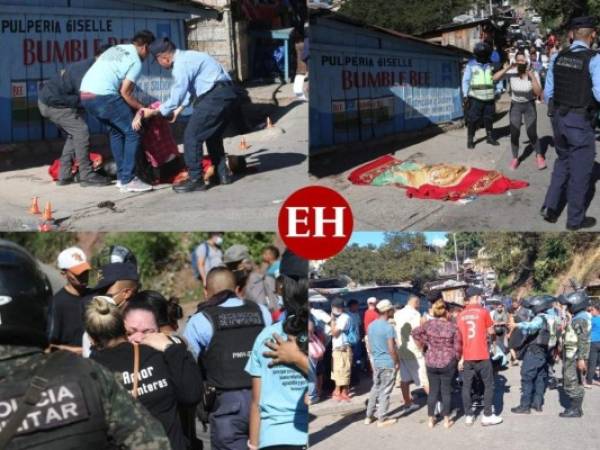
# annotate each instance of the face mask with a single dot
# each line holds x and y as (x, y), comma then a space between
(522, 68)
(219, 241)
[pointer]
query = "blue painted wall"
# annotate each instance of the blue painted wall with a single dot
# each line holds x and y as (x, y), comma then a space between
(367, 84)
(39, 38)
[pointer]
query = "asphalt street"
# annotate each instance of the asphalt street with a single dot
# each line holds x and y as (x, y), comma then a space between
(388, 207)
(278, 155)
(340, 426)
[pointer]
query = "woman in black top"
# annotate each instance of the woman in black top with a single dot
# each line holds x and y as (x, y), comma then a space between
(167, 374)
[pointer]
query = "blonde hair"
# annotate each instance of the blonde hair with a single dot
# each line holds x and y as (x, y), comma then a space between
(103, 321)
(439, 309)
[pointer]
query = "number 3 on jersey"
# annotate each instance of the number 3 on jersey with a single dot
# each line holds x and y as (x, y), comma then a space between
(471, 328)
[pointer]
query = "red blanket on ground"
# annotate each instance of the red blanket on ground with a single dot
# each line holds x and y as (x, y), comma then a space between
(455, 182)
(54, 169)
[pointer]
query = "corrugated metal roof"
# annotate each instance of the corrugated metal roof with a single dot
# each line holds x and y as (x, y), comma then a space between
(350, 21)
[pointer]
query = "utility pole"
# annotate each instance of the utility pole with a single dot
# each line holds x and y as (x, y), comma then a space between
(455, 255)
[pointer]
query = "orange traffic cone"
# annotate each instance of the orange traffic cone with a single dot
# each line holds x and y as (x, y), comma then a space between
(243, 144)
(35, 207)
(47, 216)
(269, 123)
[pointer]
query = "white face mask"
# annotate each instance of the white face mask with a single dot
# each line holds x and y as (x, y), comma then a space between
(218, 240)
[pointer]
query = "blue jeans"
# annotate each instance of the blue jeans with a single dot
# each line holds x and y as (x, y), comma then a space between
(116, 115)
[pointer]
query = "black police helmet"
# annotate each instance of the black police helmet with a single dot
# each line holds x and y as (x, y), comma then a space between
(540, 303)
(24, 295)
(482, 51)
(575, 301)
(121, 254)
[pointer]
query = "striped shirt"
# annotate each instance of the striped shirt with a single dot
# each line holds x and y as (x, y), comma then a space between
(521, 89)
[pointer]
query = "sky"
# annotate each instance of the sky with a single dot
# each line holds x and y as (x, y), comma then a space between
(363, 238)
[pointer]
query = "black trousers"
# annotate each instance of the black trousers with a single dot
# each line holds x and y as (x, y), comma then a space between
(534, 375)
(593, 361)
(484, 370)
(212, 113)
(440, 385)
(478, 110)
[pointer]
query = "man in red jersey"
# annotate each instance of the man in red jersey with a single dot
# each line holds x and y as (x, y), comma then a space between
(475, 325)
(370, 314)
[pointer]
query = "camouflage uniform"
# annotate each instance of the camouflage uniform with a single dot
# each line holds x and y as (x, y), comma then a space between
(576, 347)
(128, 423)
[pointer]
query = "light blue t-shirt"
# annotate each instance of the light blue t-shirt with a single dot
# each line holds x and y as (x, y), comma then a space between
(283, 412)
(380, 331)
(199, 330)
(108, 72)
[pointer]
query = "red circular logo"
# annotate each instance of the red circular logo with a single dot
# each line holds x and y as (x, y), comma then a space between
(315, 222)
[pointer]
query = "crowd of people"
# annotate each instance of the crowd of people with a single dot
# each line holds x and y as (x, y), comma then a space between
(238, 366)
(566, 78)
(458, 345)
(104, 87)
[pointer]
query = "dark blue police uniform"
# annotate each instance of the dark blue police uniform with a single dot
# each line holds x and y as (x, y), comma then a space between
(573, 90)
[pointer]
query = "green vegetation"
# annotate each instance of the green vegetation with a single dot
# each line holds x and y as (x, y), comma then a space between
(557, 12)
(163, 258)
(532, 260)
(407, 16)
(402, 257)
(536, 259)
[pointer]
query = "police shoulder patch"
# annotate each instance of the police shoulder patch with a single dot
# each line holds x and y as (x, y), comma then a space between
(60, 405)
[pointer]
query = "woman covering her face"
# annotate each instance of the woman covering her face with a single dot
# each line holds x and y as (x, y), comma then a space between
(166, 375)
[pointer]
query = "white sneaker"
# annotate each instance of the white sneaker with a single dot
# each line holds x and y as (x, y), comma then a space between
(369, 420)
(469, 420)
(136, 185)
(491, 420)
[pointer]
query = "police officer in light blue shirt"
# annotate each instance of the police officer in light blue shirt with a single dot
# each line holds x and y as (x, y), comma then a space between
(221, 335)
(572, 92)
(201, 81)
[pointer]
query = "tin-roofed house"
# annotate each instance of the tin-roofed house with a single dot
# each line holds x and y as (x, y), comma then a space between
(368, 82)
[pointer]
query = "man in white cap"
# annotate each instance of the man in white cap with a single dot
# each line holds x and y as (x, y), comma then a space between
(65, 324)
(382, 347)
(371, 313)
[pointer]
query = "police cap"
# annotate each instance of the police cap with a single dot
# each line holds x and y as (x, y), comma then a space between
(582, 22)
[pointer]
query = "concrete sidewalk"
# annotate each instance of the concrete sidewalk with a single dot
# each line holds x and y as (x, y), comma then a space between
(278, 156)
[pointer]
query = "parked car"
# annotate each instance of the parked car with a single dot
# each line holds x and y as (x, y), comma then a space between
(397, 295)
(536, 19)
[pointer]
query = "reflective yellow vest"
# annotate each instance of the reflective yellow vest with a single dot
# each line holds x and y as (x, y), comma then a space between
(482, 84)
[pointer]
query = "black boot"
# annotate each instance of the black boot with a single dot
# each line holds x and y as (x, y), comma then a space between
(471, 136)
(190, 186)
(521, 410)
(94, 179)
(489, 130)
(223, 171)
(573, 411)
(549, 214)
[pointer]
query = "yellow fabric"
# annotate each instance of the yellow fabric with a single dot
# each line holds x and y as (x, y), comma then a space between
(341, 366)
(437, 174)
